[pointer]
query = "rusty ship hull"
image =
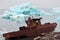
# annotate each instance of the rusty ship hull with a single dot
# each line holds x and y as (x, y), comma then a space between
(34, 28)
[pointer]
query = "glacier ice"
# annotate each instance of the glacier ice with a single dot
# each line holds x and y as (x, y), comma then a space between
(58, 19)
(22, 11)
(55, 10)
(58, 22)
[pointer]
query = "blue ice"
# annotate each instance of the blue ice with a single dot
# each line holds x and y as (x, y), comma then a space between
(56, 10)
(14, 13)
(58, 19)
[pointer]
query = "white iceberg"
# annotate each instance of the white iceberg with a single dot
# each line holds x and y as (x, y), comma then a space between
(20, 12)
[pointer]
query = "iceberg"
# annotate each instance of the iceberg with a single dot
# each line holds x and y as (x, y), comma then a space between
(20, 12)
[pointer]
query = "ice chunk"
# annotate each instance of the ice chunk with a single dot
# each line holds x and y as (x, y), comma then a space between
(18, 13)
(56, 10)
(58, 19)
(26, 9)
(48, 14)
(6, 16)
(58, 26)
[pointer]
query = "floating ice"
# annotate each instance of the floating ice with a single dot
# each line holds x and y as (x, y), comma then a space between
(20, 12)
(48, 14)
(58, 19)
(58, 26)
(56, 10)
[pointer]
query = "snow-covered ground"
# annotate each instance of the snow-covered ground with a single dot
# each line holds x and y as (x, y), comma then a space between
(9, 26)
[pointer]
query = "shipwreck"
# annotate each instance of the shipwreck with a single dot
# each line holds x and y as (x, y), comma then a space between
(34, 28)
